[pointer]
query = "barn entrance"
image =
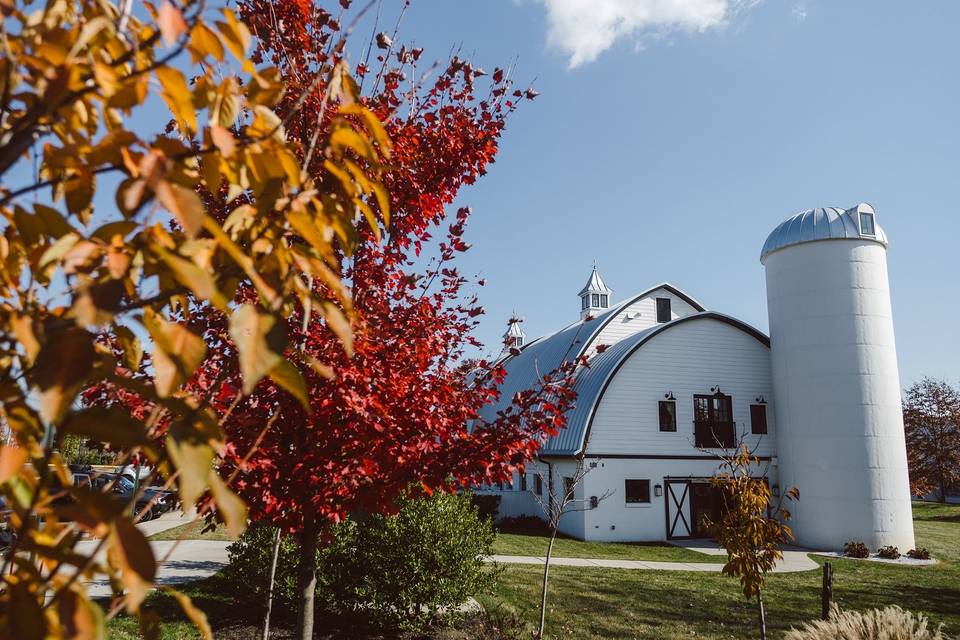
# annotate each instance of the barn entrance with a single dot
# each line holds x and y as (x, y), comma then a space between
(688, 501)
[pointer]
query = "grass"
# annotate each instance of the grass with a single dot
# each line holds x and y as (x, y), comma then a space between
(587, 603)
(535, 544)
(193, 531)
(603, 603)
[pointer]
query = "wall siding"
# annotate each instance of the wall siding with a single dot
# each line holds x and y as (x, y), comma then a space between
(621, 325)
(688, 359)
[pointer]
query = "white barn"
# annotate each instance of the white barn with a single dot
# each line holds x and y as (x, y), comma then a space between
(675, 384)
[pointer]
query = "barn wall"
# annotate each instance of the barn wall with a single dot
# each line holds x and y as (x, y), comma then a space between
(687, 359)
(623, 324)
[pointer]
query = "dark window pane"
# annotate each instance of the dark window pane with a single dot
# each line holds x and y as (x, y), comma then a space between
(758, 418)
(866, 224)
(636, 491)
(584, 302)
(523, 481)
(568, 488)
(538, 485)
(595, 299)
(604, 299)
(663, 310)
(668, 415)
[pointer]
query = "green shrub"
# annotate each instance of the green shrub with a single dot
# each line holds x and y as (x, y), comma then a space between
(856, 549)
(889, 552)
(403, 570)
(399, 570)
(876, 624)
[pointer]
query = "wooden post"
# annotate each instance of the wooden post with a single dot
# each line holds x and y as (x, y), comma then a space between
(826, 594)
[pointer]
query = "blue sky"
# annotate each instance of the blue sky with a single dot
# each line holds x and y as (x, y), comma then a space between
(672, 154)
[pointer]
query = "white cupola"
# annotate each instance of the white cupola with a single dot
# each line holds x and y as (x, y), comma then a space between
(595, 295)
(514, 337)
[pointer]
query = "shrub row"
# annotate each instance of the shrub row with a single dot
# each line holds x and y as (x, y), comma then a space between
(857, 549)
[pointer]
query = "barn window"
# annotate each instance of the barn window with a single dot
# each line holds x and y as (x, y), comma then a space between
(663, 310)
(568, 488)
(584, 302)
(523, 481)
(866, 224)
(668, 415)
(604, 300)
(538, 484)
(758, 418)
(713, 421)
(595, 299)
(636, 491)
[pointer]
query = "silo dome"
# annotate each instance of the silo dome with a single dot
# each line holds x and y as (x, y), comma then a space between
(825, 223)
(833, 358)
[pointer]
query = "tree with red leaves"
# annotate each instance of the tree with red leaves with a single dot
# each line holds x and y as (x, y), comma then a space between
(399, 407)
(396, 409)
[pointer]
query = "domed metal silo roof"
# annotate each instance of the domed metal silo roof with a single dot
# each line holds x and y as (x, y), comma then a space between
(827, 223)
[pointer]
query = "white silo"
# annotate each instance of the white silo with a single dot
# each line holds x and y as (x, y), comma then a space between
(839, 423)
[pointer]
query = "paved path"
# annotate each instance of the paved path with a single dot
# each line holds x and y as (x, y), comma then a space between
(169, 520)
(190, 560)
(794, 559)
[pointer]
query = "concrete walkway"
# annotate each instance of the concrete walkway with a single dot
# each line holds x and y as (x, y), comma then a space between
(190, 560)
(794, 559)
(169, 520)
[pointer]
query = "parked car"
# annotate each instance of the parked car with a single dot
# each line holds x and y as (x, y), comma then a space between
(154, 499)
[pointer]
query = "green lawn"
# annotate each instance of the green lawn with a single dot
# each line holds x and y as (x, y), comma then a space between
(610, 603)
(518, 544)
(603, 603)
(193, 531)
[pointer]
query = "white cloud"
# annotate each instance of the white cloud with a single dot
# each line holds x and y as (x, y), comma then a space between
(583, 29)
(800, 11)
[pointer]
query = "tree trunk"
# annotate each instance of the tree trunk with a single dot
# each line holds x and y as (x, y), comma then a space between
(763, 618)
(273, 575)
(543, 591)
(943, 490)
(307, 576)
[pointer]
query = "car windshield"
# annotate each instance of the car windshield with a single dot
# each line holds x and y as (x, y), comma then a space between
(125, 483)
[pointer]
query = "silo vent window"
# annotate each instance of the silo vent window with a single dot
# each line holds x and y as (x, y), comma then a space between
(866, 224)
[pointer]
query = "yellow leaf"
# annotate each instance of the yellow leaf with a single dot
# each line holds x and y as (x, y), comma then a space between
(223, 140)
(132, 553)
(230, 507)
(285, 374)
(61, 369)
(131, 346)
(80, 618)
(171, 22)
(11, 461)
(183, 203)
(205, 42)
(235, 34)
(198, 617)
(177, 353)
(340, 326)
(194, 461)
(198, 280)
(177, 95)
(260, 340)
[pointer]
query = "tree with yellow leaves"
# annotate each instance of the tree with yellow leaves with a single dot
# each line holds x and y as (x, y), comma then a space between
(111, 234)
(751, 528)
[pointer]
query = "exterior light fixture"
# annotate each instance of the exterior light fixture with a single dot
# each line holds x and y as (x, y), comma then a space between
(658, 490)
(716, 391)
(669, 395)
(594, 501)
(760, 400)
(775, 490)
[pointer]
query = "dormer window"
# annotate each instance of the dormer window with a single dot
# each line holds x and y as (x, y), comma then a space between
(867, 228)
